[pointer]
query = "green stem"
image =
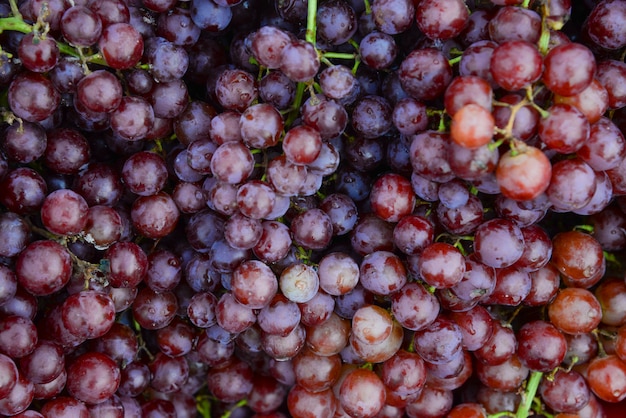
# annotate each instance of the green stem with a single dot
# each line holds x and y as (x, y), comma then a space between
(311, 25)
(297, 102)
(544, 39)
(15, 23)
(526, 4)
(339, 55)
(239, 404)
(15, 11)
(529, 394)
(368, 7)
(455, 60)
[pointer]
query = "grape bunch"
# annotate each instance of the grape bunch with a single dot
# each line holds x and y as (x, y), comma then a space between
(312, 209)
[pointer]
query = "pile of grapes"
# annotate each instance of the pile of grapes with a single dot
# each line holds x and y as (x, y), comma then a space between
(291, 208)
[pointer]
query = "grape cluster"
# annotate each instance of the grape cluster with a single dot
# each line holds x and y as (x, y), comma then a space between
(285, 208)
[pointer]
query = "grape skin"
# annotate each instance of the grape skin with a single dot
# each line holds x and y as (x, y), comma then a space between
(282, 204)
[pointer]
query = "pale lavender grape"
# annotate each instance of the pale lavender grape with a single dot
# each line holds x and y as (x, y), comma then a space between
(208, 15)
(24, 142)
(267, 45)
(337, 82)
(274, 243)
(225, 127)
(299, 283)
(429, 156)
(167, 60)
(393, 16)
(261, 126)
(336, 22)
(232, 162)
(280, 316)
(382, 273)
(453, 194)
(14, 236)
(424, 188)
(286, 347)
(256, 199)
(282, 204)
(327, 116)
(277, 89)
(347, 304)
(371, 234)
(233, 316)
(133, 118)
(326, 162)
(169, 99)
(145, 173)
(601, 196)
(312, 184)
(177, 26)
(371, 116)
(220, 196)
(414, 307)
(499, 243)
(312, 229)
(299, 61)
(338, 273)
(286, 178)
(242, 232)
(412, 234)
(409, 116)
(439, 342)
(342, 212)
(8, 285)
(378, 50)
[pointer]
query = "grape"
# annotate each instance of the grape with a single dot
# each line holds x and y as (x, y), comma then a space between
(194, 207)
(301, 402)
(512, 23)
(393, 16)
(578, 270)
(261, 126)
(92, 377)
(121, 45)
(362, 393)
(39, 55)
(567, 392)
(312, 229)
(593, 101)
(254, 284)
(516, 64)
(88, 314)
(425, 74)
(605, 377)
(472, 126)
(441, 19)
(154, 310)
(573, 59)
(604, 24)
(120, 344)
(280, 316)
(43, 267)
(516, 181)
(575, 311)
(32, 97)
(336, 22)
(299, 61)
